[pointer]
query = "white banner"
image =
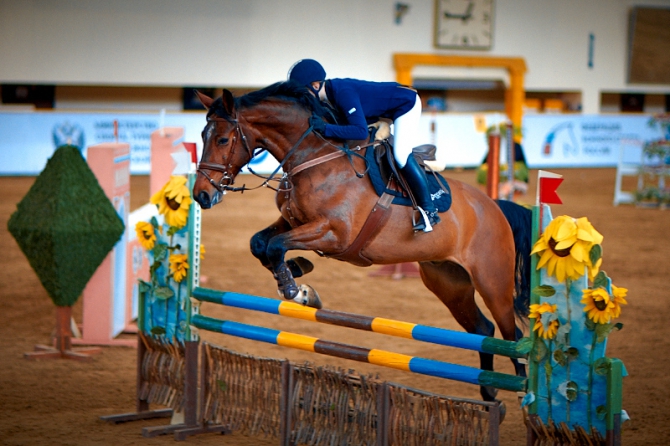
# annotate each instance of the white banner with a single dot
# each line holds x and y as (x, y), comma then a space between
(582, 140)
(28, 139)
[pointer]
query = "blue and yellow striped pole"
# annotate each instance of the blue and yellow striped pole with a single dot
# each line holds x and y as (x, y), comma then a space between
(372, 356)
(390, 327)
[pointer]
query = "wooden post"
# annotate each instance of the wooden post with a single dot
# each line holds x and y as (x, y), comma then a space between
(63, 341)
(493, 163)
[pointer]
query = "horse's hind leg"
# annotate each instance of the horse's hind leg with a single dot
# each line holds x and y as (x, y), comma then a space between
(452, 285)
(497, 291)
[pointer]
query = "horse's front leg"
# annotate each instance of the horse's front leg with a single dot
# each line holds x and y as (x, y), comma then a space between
(311, 236)
(298, 266)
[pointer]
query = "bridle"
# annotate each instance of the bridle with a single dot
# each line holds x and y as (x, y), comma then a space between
(226, 180)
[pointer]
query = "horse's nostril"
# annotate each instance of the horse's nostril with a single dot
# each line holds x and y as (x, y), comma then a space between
(203, 200)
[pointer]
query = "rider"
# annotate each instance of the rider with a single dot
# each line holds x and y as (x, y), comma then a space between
(364, 102)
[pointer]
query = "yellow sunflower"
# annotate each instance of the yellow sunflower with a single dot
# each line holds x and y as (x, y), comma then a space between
(564, 248)
(178, 266)
(146, 234)
(174, 201)
(536, 311)
(618, 298)
(600, 307)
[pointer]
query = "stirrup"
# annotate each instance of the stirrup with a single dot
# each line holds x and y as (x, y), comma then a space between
(426, 221)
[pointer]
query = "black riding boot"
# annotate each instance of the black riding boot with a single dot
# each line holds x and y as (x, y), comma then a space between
(416, 179)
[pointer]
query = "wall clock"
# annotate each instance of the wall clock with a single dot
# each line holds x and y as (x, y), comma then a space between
(464, 24)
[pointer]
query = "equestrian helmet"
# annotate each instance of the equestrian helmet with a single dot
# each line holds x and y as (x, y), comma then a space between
(306, 71)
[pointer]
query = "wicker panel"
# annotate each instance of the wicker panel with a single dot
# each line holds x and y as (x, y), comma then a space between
(241, 391)
(330, 406)
(162, 373)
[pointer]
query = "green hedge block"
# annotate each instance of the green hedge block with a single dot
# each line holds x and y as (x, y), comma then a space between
(65, 225)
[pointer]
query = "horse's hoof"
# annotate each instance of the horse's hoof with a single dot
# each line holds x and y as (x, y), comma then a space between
(309, 297)
(299, 266)
(289, 292)
(503, 412)
(488, 393)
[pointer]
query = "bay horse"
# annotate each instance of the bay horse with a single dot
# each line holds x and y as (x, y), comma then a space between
(325, 199)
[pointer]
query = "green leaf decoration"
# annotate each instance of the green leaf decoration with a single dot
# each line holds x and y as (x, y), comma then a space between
(600, 281)
(602, 366)
(544, 290)
(158, 331)
(603, 330)
(601, 412)
(539, 351)
(172, 231)
(595, 254)
(154, 222)
(560, 357)
(222, 385)
(143, 287)
(160, 252)
(590, 324)
(524, 345)
(548, 369)
(563, 332)
(163, 293)
(572, 353)
(572, 391)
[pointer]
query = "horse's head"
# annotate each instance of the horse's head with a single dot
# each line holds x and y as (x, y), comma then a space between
(225, 150)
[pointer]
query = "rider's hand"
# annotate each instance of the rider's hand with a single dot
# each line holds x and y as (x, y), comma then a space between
(318, 124)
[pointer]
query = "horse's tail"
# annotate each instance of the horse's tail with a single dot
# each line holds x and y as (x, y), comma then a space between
(521, 221)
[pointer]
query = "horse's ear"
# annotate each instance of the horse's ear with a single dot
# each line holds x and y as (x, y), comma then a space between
(204, 99)
(228, 102)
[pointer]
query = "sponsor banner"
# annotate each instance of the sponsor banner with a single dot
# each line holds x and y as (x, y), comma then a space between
(28, 139)
(584, 140)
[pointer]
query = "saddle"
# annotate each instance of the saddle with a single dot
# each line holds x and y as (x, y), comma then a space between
(386, 177)
(391, 188)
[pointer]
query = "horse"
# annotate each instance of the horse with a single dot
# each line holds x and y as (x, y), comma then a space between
(325, 199)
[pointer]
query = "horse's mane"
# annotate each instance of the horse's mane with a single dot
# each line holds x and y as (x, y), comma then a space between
(289, 91)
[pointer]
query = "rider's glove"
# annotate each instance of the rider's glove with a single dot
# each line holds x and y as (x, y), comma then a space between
(318, 124)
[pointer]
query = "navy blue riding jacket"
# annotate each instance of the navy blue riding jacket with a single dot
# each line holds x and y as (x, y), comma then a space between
(364, 102)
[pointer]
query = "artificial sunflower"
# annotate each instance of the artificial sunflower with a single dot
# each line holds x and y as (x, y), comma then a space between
(618, 298)
(178, 266)
(597, 305)
(565, 248)
(173, 201)
(546, 321)
(146, 234)
(602, 307)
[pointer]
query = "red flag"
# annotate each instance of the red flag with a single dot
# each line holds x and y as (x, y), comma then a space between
(548, 188)
(191, 148)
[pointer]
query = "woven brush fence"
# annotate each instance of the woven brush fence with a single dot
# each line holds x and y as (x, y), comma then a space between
(331, 406)
(241, 391)
(553, 434)
(162, 373)
(420, 418)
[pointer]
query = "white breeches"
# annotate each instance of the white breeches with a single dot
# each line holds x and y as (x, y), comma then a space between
(405, 133)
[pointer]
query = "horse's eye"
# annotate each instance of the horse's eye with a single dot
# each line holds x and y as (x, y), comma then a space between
(222, 141)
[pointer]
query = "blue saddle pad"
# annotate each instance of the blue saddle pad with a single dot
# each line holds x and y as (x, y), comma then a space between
(441, 199)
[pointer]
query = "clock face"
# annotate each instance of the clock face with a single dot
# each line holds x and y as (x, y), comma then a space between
(464, 24)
